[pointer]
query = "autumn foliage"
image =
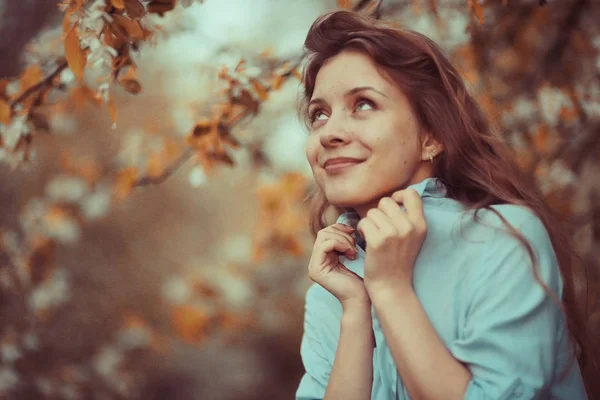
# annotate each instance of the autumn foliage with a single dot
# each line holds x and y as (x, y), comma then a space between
(533, 67)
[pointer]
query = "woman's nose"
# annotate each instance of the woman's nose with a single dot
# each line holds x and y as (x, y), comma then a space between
(336, 132)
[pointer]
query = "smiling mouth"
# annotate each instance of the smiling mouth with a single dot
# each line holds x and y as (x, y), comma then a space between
(342, 166)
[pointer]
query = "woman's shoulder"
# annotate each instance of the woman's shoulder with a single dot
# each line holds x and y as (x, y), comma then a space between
(503, 252)
(491, 224)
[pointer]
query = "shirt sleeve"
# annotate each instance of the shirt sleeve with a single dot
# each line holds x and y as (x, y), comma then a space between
(313, 351)
(509, 341)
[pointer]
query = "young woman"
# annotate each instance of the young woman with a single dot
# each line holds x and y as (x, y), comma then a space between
(445, 275)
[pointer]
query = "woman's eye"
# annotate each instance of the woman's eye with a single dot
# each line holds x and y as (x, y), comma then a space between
(316, 115)
(364, 102)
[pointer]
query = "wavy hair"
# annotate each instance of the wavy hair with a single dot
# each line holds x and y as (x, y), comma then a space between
(477, 167)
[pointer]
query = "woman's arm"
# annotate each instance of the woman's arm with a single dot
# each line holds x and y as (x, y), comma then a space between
(352, 372)
(428, 369)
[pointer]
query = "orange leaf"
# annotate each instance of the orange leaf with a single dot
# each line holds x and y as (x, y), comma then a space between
(477, 10)
(78, 4)
(160, 7)
(135, 9)
(568, 114)
(67, 21)
(277, 82)
(133, 28)
(126, 180)
(82, 95)
(30, 77)
(131, 85)
(347, 4)
(120, 4)
(112, 110)
(260, 90)
(4, 112)
(191, 322)
(75, 55)
(156, 165)
(297, 74)
(540, 140)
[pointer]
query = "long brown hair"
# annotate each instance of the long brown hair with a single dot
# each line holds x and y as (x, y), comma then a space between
(477, 167)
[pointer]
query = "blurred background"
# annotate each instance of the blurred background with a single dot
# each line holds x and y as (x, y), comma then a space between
(153, 234)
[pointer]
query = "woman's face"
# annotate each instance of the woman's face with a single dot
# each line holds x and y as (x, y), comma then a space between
(365, 122)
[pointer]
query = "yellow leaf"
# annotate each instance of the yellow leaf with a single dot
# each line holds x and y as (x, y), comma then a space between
(75, 55)
(119, 4)
(4, 112)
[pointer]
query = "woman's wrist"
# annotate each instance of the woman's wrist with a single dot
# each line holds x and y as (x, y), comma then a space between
(356, 312)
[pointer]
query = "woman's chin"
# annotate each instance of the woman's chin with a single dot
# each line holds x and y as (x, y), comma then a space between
(345, 201)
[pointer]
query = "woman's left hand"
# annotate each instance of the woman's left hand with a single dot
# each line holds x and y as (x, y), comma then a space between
(394, 238)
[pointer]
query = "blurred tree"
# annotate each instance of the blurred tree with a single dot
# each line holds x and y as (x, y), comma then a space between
(80, 314)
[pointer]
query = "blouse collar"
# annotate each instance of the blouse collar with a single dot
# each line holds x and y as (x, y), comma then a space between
(429, 187)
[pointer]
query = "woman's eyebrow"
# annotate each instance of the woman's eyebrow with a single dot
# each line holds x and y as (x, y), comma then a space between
(349, 93)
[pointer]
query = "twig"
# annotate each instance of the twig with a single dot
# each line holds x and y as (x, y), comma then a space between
(179, 162)
(39, 86)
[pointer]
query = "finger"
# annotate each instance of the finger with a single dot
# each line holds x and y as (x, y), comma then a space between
(393, 211)
(340, 236)
(413, 204)
(343, 227)
(367, 228)
(380, 220)
(335, 244)
(414, 207)
(338, 232)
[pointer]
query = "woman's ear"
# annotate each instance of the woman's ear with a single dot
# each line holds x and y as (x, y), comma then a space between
(430, 147)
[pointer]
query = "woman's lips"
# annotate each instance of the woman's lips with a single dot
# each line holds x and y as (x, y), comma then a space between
(341, 166)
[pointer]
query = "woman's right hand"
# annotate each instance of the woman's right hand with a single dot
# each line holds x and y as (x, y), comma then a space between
(325, 268)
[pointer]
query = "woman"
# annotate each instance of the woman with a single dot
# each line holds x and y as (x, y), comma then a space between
(442, 277)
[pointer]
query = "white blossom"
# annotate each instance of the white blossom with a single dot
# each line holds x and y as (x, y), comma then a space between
(197, 176)
(51, 293)
(177, 290)
(31, 341)
(133, 338)
(97, 204)
(237, 248)
(551, 101)
(67, 76)
(8, 379)
(66, 230)
(107, 362)
(66, 188)
(12, 133)
(9, 352)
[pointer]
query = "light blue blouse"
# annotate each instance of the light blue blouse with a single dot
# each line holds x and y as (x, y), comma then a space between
(476, 284)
